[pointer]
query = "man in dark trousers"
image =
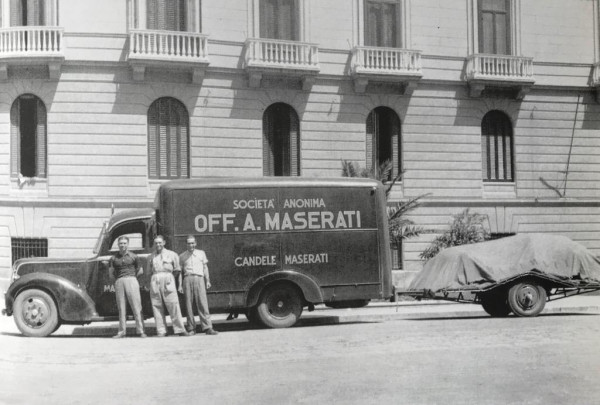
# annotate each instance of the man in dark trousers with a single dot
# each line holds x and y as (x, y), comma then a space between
(195, 282)
(125, 267)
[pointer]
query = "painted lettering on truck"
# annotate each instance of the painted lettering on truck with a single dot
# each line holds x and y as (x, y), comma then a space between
(277, 220)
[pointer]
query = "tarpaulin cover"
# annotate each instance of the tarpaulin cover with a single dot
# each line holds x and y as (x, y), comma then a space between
(481, 265)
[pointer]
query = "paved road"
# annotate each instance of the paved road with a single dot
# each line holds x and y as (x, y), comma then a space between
(552, 359)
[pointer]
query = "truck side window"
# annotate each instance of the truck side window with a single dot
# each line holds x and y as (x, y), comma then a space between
(136, 242)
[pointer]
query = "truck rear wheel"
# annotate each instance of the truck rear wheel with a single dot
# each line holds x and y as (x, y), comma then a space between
(279, 306)
(35, 313)
(527, 298)
(495, 305)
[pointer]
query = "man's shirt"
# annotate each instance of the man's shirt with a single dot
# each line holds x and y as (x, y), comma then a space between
(193, 263)
(125, 265)
(165, 261)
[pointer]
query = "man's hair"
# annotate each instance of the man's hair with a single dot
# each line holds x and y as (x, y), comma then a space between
(159, 237)
(123, 238)
(190, 237)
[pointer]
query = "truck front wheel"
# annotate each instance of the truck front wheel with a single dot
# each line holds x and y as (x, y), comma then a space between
(279, 306)
(527, 298)
(35, 313)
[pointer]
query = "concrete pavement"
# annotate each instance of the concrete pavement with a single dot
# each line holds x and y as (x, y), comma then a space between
(322, 315)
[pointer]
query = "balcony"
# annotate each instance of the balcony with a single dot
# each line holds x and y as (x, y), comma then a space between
(275, 57)
(385, 65)
(596, 79)
(499, 71)
(168, 49)
(22, 46)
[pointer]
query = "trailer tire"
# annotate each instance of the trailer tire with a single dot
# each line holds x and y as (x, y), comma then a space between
(279, 305)
(35, 313)
(527, 298)
(496, 305)
(252, 316)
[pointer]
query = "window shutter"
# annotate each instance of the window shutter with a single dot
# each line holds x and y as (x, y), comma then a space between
(396, 147)
(151, 17)
(16, 13)
(163, 153)
(496, 147)
(184, 149)
(267, 19)
(35, 12)
(41, 140)
(152, 141)
(268, 169)
(294, 143)
(15, 140)
(370, 147)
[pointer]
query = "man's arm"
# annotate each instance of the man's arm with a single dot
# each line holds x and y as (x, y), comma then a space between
(138, 266)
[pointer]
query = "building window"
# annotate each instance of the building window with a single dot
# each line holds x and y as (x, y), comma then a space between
(23, 248)
(168, 143)
(382, 23)
(396, 248)
(383, 141)
(28, 13)
(167, 15)
(496, 147)
(279, 19)
(281, 141)
(28, 137)
(494, 27)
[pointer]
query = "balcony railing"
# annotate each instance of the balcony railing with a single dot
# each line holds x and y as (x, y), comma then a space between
(168, 45)
(31, 41)
(499, 67)
(386, 61)
(274, 53)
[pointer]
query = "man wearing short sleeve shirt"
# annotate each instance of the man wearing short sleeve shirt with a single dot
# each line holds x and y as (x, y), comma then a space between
(195, 282)
(163, 293)
(125, 267)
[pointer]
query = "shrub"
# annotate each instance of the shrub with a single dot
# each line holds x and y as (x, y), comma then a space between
(466, 228)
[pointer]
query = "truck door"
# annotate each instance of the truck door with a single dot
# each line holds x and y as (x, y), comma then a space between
(139, 243)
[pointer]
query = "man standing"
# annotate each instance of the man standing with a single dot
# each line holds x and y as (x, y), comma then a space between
(195, 282)
(125, 267)
(163, 293)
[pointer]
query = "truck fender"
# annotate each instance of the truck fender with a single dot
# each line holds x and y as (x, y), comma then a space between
(73, 302)
(310, 289)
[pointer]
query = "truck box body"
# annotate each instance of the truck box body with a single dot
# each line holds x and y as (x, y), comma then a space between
(309, 240)
(332, 231)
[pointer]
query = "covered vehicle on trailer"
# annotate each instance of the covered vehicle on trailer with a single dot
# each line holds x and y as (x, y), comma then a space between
(515, 274)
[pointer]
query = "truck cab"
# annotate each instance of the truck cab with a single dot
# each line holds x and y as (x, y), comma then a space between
(46, 292)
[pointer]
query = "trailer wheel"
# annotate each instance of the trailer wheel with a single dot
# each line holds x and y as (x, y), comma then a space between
(527, 298)
(495, 305)
(279, 306)
(35, 313)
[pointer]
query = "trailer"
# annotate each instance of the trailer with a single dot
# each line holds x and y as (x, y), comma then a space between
(517, 274)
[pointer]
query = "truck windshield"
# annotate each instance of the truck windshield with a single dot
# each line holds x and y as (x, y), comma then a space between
(100, 239)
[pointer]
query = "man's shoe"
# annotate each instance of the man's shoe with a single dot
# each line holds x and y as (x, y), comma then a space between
(184, 333)
(161, 334)
(191, 333)
(119, 336)
(211, 331)
(143, 335)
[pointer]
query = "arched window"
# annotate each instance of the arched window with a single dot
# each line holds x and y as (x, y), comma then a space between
(169, 15)
(28, 137)
(384, 140)
(168, 143)
(496, 147)
(281, 141)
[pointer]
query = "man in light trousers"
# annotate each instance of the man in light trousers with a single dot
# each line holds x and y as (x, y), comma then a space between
(196, 280)
(163, 293)
(125, 267)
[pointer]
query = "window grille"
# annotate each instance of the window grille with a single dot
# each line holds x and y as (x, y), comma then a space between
(497, 147)
(281, 141)
(28, 247)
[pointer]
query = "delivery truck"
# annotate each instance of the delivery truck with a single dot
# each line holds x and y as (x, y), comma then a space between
(275, 246)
